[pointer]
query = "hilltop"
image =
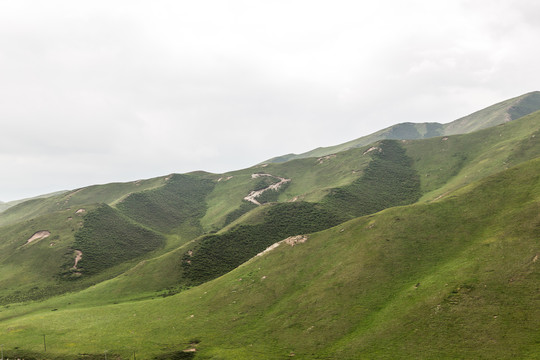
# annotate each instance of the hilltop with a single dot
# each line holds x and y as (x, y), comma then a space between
(493, 115)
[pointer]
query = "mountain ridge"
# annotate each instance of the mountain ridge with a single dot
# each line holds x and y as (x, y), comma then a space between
(493, 115)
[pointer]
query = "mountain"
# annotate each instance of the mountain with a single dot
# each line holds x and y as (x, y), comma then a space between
(499, 113)
(426, 248)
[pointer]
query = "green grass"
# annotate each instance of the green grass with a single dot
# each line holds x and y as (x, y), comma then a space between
(346, 185)
(454, 278)
(29, 270)
(448, 163)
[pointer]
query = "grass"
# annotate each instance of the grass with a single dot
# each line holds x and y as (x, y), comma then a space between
(448, 163)
(215, 255)
(453, 276)
(442, 166)
(450, 279)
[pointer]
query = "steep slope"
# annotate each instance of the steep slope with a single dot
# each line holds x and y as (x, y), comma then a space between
(499, 113)
(311, 179)
(359, 287)
(455, 278)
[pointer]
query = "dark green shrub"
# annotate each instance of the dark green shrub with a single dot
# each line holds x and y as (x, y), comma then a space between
(107, 238)
(389, 180)
(181, 200)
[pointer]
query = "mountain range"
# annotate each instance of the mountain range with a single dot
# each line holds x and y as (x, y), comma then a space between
(418, 241)
(497, 114)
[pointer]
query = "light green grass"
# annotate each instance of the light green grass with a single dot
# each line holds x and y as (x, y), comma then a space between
(447, 163)
(454, 278)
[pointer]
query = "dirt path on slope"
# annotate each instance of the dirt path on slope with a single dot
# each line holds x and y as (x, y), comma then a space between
(252, 197)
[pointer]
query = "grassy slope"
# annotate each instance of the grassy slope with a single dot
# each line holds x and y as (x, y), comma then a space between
(311, 180)
(443, 165)
(108, 194)
(456, 278)
(499, 113)
(27, 268)
(111, 243)
(107, 239)
(447, 163)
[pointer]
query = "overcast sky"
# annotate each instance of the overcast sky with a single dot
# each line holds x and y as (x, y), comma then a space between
(103, 91)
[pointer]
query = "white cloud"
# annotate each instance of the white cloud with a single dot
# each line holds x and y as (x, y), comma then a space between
(113, 91)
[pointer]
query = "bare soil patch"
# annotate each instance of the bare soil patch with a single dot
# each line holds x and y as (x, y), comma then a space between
(291, 240)
(42, 234)
(78, 257)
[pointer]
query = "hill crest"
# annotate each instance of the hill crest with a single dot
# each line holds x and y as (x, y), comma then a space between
(493, 115)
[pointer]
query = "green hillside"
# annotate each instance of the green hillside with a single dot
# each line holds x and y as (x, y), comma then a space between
(456, 278)
(499, 113)
(448, 163)
(106, 239)
(424, 246)
(180, 208)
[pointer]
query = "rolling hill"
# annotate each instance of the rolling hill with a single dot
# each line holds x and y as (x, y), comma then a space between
(399, 246)
(499, 113)
(455, 278)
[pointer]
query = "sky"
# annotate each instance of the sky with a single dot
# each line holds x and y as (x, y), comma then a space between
(104, 91)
